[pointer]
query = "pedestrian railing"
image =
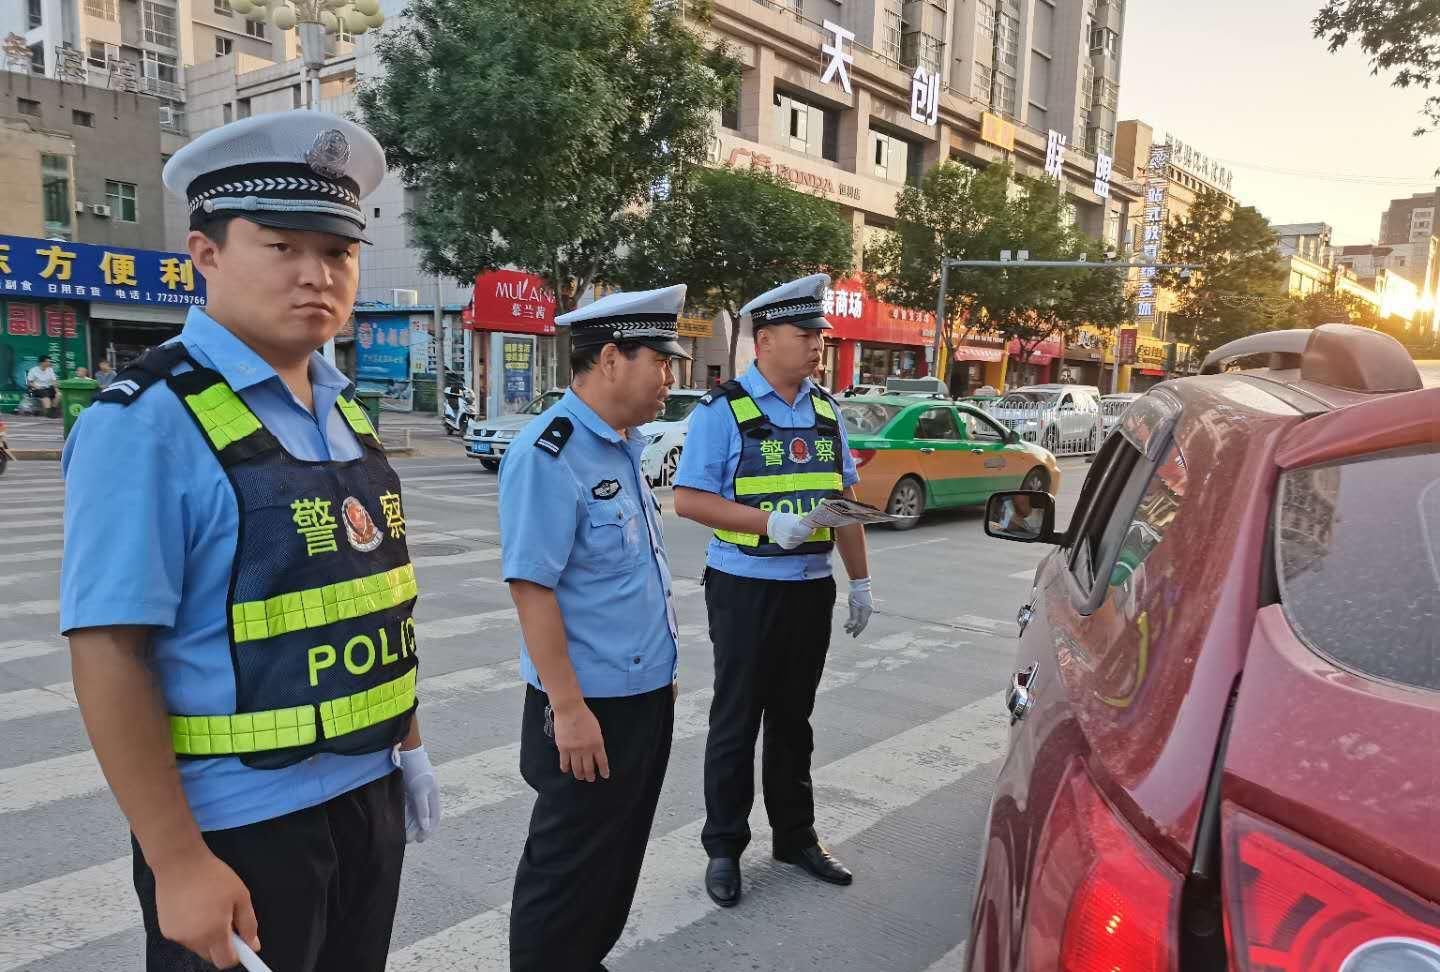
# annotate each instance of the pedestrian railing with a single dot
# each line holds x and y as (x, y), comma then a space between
(1064, 432)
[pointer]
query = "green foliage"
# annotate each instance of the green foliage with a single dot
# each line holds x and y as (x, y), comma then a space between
(730, 234)
(960, 213)
(530, 130)
(1397, 35)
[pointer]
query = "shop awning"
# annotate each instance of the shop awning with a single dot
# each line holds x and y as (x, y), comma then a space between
(967, 353)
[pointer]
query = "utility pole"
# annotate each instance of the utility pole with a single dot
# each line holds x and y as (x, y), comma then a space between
(439, 351)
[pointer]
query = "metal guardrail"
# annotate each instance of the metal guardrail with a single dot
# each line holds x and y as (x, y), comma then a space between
(1064, 433)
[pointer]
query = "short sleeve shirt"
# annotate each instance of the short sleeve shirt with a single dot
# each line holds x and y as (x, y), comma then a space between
(712, 454)
(151, 523)
(577, 516)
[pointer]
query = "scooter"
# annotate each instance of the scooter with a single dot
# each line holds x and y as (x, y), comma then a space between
(5, 456)
(459, 409)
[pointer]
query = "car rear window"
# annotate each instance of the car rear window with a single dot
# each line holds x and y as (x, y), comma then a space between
(1023, 399)
(867, 418)
(1358, 557)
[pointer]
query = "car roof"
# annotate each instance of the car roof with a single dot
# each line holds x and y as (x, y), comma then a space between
(894, 399)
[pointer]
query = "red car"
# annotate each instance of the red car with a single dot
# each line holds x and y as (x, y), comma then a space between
(1225, 749)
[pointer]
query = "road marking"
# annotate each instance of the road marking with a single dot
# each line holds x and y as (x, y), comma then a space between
(903, 546)
(1023, 574)
(31, 538)
(432, 536)
(75, 909)
(27, 703)
(15, 650)
(28, 608)
(17, 524)
(950, 961)
(33, 508)
(454, 560)
(31, 785)
(1006, 629)
(853, 794)
(461, 500)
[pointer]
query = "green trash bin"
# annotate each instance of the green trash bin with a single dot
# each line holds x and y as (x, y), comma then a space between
(369, 399)
(76, 394)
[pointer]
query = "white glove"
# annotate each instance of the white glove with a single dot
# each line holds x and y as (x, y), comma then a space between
(422, 795)
(787, 529)
(861, 607)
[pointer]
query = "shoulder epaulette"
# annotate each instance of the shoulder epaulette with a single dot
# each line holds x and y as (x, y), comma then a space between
(556, 434)
(726, 390)
(154, 365)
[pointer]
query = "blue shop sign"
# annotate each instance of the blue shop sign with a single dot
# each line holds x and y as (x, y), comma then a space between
(31, 268)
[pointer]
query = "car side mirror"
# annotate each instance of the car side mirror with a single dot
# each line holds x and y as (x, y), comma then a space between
(1012, 437)
(1022, 515)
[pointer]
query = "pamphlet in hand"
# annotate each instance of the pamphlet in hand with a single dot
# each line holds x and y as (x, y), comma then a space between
(838, 512)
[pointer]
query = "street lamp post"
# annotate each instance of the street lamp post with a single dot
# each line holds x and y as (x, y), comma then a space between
(313, 20)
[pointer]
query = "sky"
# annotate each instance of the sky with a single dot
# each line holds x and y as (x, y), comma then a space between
(1244, 82)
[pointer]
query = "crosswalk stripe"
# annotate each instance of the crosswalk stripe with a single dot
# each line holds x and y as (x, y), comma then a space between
(8, 541)
(74, 909)
(15, 650)
(468, 533)
(461, 500)
(28, 556)
(27, 608)
(483, 555)
(56, 508)
(31, 785)
(27, 703)
(17, 524)
(853, 794)
(7, 580)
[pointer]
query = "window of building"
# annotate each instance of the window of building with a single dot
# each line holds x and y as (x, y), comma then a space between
(160, 67)
(921, 50)
(223, 45)
(222, 7)
(1103, 40)
(28, 106)
(1007, 38)
(255, 28)
(120, 197)
(806, 128)
(985, 25)
(37, 17)
(730, 113)
(99, 54)
(297, 97)
(55, 192)
(158, 19)
(102, 9)
(37, 58)
(891, 31)
(1004, 93)
(227, 112)
(984, 79)
(84, 119)
(242, 108)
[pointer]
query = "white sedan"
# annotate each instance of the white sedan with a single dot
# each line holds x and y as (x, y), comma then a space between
(666, 436)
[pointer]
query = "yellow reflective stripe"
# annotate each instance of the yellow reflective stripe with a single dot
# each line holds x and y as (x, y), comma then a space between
(318, 606)
(787, 483)
(821, 535)
(822, 407)
(249, 732)
(356, 416)
(222, 415)
(371, 707)
(745, 409)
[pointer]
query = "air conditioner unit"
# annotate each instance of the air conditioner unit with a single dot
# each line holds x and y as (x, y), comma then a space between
(404, 298)
(101, 211)
(79, 207)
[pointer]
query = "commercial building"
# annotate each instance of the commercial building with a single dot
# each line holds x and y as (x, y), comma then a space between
(1305, 252)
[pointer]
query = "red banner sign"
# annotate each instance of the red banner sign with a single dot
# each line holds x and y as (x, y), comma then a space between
(1125, 345)
(511, 301)
(857, 316)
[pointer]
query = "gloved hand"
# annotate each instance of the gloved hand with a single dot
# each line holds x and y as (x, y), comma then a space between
(861, 607)
(787, 529)
(422, 795)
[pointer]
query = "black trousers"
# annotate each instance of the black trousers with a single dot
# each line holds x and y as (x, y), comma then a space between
(582, 857)
(770, 640)
(323, 882)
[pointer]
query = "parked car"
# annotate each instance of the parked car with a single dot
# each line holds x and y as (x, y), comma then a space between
(1113, 406)
(921, 454)
(667, 436)
(488, 439)
(923, 387)
(855, 391)
(1227, 692)
(1062, 418)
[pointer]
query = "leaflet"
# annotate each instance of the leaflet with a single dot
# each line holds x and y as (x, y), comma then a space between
(838, 512)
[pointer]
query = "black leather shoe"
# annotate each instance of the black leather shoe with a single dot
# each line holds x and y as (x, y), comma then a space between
(722, 881)
(817, 861)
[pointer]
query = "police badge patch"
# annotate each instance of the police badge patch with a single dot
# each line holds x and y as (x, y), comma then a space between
(330, 154)
(605, 489)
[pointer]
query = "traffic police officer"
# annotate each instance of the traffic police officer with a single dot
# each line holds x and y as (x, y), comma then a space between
(759, 454)
(583, 554)
(236, 587)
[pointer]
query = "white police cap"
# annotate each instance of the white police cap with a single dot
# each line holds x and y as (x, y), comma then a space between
(303, 170)
(799, 302)
(645, 317)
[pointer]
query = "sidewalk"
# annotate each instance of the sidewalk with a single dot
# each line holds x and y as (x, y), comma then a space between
(404, 434)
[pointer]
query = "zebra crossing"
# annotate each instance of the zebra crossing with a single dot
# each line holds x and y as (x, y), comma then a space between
(909, 732)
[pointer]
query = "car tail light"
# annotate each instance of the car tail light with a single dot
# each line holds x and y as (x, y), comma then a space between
(1100, 900)
(862, 456)
(1291, 905)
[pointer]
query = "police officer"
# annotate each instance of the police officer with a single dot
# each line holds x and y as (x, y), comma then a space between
(584, 557)
(236, 587)
(759, 454)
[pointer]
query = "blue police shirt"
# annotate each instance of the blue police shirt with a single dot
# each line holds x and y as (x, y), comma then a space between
(712, 453)
(585, 524)
(150, 516)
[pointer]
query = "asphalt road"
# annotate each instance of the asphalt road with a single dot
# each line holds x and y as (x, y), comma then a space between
(910, 729)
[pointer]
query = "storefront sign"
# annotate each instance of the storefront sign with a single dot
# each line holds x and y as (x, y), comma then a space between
(511, 301)
(695, 327)
(1104, 168)
(968, 352)
(517, 372)
(1157, 181)
(382, 359)
(1199, 164)
(856, 316)
(1125, 345)
(31, 268)
(839, 59)
(925, 96)
(1151, 353)
(1055, 154)
(29, 331)
(997, 131)
(1043, 353)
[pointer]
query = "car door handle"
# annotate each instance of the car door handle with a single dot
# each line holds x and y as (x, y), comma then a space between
(977, 452)
(926, 450)
(1019, 699)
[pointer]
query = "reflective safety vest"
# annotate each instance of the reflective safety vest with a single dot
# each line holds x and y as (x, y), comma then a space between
(790, 470)
(322, 590)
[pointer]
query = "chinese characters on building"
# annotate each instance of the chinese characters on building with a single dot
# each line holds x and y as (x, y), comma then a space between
(839, 57)
(1206, 168)
(1055, 155)
(925, 96)
(46, 268)
(844, 303)
(1104, 166)
(1152, 228)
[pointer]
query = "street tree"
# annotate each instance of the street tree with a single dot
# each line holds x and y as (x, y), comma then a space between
(731, 233)
(1397, 35)
(530, 130)
(1239, 288)
(958, 212)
